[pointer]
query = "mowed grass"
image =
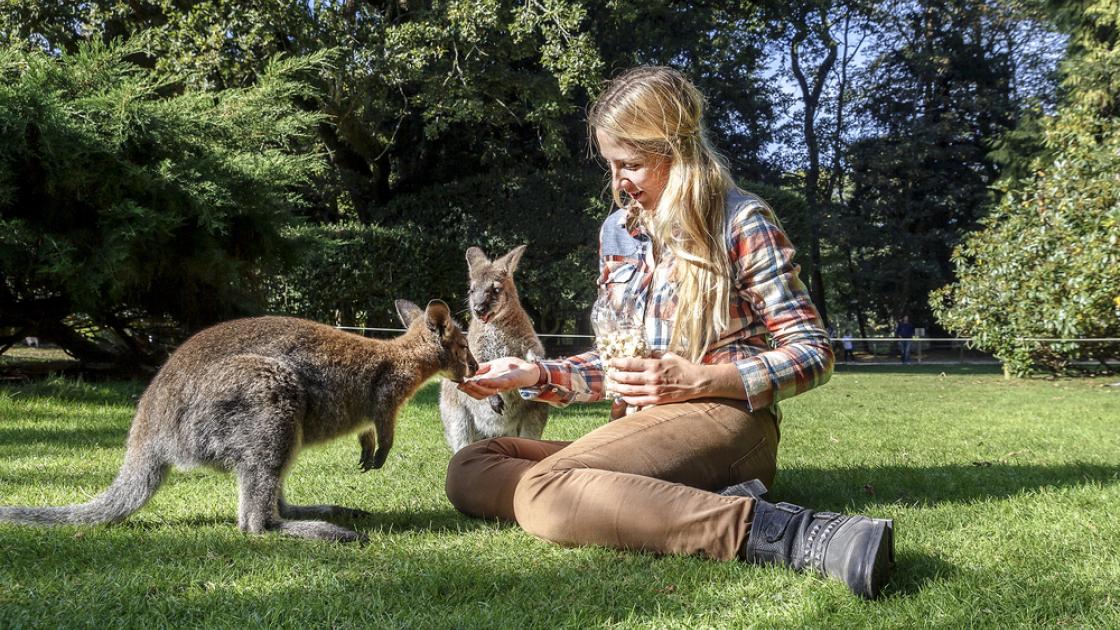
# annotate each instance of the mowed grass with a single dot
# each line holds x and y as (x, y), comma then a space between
(1004, 495)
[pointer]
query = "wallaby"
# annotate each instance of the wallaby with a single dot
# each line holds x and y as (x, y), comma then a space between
(500, 328)
(246, 395)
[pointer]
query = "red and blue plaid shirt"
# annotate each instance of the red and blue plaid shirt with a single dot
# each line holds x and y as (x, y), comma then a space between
(774, 334)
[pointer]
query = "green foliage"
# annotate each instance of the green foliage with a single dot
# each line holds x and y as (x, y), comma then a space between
(126, 197)
(418, 94)
(352, 272)
(1047, 263)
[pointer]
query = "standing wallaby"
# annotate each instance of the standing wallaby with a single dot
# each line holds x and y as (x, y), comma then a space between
(500, 328)
(246, 395)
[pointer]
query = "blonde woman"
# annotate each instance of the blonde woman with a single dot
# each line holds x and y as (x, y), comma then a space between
(710, 274)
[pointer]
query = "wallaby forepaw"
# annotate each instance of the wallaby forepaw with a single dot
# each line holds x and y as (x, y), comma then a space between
(368, 461)
(372, 463)
(498, 404)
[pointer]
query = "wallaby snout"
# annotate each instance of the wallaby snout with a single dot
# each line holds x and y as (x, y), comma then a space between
(484, 297)
(462, 364)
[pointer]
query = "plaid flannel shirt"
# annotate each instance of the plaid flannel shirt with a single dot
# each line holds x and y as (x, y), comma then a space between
(774, 337)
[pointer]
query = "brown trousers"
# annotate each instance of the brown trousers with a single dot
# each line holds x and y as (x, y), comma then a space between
(641, 482)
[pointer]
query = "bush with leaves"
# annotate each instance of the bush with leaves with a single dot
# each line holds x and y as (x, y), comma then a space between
(134, 209)
(1047, 263)
(351, 272)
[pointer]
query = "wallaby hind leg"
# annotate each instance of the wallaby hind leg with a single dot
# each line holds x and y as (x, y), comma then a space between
(302, 512)
(259, 510)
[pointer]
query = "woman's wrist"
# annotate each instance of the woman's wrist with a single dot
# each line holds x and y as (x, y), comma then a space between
(721, 380)
(542, 375)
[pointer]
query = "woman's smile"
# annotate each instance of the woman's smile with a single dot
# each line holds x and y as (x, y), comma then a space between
(641, 177)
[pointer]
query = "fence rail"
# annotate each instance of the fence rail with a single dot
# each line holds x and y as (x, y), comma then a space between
(865, 350)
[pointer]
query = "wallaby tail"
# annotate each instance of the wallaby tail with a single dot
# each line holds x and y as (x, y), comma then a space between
(138, 479)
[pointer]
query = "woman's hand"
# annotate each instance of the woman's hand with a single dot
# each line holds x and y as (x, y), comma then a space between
(673, 378)
(500, 375)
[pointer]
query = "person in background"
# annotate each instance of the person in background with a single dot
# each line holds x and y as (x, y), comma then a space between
(904, 332)
(848, 347)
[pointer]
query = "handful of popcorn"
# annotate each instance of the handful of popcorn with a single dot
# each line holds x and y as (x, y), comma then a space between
(618, 335)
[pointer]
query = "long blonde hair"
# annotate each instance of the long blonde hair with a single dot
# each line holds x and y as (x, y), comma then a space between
(659, 113)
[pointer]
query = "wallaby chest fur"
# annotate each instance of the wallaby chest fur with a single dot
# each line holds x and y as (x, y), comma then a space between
(500, 328)
(247, 395)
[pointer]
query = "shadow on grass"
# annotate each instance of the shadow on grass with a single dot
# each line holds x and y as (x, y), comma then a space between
(24, 441)
(201, 583)
(445, 520)
(856, 487)
(79, 391)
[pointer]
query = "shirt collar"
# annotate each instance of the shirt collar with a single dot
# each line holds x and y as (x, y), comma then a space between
(631, 221)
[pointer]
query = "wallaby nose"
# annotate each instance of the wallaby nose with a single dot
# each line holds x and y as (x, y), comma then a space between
(479, 309)
(472, 366)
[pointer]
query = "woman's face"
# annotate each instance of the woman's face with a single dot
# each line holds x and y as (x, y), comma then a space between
(641, 177)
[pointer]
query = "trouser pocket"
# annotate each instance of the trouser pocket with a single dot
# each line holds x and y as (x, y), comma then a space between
(759, 462)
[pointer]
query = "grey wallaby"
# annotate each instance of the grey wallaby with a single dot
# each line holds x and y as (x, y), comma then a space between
(500, 328)
(246, 395)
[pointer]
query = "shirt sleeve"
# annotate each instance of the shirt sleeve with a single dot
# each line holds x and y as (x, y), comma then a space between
(767, 278)
(578, 378)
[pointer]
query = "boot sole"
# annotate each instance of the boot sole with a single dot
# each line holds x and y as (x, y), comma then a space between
(880, 557)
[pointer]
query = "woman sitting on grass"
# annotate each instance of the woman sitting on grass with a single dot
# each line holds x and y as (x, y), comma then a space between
(710, 273)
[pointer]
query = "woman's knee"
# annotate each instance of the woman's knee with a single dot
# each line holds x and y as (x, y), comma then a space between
(539, 503)
(463, 484)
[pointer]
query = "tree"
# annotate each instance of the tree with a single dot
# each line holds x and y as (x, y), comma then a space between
(817, 38)
(418, 93)
(133, 208)
(720, 46)
(1047, 263)
(939, 91)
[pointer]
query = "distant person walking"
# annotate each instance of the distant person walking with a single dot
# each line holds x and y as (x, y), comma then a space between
(847, 343)
(904, 332)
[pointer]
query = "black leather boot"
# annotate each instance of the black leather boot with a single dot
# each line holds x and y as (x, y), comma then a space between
(754, 489)
(856, 550)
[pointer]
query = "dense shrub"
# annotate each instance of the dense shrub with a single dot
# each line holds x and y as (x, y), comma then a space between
(351, 273)
(1047, 263)
(127, 200)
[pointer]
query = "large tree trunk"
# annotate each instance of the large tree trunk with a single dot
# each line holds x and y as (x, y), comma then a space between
(811, 97)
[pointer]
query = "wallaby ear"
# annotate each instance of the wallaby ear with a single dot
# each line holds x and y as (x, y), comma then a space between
(439, 316)
(475, 257)
(510, 260)
(407, 311)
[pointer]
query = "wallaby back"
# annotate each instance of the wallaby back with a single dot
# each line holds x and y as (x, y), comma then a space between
(500, 327)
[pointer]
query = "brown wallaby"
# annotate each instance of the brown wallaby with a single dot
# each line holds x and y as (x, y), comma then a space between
(246, 395)
(500, 328)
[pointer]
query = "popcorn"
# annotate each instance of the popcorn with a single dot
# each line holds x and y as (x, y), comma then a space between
(620, 343)
(618, 335)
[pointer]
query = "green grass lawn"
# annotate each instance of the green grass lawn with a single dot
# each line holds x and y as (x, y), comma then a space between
(1003, 495)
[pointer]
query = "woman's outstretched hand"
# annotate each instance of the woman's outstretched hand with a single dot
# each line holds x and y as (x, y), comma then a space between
(500, 375)
(672, 378)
